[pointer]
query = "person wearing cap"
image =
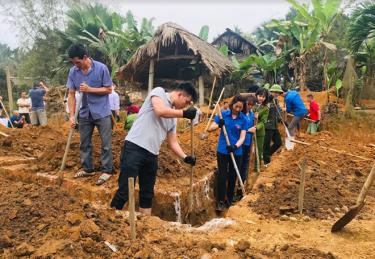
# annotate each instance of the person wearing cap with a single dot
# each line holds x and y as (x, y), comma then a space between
(38, 114)
(272, 131)
(16, 120)
(294, 104)
(156, 121)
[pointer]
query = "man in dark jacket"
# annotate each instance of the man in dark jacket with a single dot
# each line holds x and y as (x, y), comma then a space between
(272, 132)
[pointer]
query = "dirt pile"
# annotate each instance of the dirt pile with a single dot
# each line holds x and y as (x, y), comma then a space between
(333, 180)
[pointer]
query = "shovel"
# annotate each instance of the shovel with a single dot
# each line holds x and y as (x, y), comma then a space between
(350, 215)
(289, 144)
(204, 134)
(191, 172)
(71, 131)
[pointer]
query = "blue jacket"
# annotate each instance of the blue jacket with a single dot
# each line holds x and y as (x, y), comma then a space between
(294, 104)
(250, 123)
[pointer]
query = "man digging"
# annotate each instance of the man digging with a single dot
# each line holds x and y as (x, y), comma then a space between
(92, 78)
(156, 121)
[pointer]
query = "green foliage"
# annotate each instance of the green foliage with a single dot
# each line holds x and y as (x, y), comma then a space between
(203, 33)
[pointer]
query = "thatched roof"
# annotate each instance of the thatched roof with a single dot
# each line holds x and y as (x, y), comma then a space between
(236, 43)
(173, 46)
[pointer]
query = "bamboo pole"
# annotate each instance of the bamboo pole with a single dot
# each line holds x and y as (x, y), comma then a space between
(332, 149)
(302, 186)
(201, 90)
(151, 73)
(9, 86)
(212, 92)
(133, 233)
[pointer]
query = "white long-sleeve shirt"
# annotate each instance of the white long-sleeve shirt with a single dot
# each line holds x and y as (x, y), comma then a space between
(114, 101)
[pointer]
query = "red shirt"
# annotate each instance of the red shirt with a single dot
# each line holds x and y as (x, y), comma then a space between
(132, 109)
(314, 110)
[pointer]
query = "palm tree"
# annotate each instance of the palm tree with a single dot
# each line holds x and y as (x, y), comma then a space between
(361, 36)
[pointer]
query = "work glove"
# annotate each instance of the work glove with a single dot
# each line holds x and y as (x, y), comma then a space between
(231, 148)
(189, 113)
(221, 123)
(191, 160)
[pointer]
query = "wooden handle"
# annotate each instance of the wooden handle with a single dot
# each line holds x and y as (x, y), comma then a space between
(232, 157)
(212, 92)
(369, 181)
(133, 233)
(213, 111)
(192, 167)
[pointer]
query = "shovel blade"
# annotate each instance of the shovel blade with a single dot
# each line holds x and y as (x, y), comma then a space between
(349, 216)
(289, 144)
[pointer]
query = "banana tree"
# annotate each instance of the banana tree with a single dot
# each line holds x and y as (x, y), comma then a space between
(322, 18)
(268, 64)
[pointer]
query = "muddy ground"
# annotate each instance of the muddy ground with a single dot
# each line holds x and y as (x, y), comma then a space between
(44, 221)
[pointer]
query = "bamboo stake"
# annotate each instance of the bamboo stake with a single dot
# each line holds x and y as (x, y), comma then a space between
(212, 92)
(4, 134)
(201, 90)
(333, 150)
(302, 186)
(133, 233)
(10, 94)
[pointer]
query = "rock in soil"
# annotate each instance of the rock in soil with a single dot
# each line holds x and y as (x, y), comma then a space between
(242, 245)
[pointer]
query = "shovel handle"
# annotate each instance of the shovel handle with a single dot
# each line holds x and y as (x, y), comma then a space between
(78, 105)
(369, 181)
(232, 157)
(191, 167)
(213, 111)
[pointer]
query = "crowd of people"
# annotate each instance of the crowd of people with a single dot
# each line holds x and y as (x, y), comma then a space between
(250, 121)
(31, 108)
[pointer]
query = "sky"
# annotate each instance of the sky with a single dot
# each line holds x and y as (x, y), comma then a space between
(192, 15)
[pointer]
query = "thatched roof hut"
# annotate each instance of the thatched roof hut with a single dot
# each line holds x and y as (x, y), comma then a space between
(236, 44)
(175, 51)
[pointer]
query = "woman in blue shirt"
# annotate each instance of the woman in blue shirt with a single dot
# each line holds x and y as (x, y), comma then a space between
(250, 129)
(235, 124)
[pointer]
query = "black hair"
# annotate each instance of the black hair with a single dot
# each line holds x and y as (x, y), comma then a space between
(188, 88)
(251, 99)
(225, 102)
(310, 95)
(239, 98)
(263, 92)
(77, 50)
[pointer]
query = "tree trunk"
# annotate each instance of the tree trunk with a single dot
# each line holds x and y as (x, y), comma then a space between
(325, 81)
(302, 73)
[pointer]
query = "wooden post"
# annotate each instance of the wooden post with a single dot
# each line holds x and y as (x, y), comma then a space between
(133, 233)
(201, 90)
(212, 92)
(302, 186)
(10, 94)
(151, 73)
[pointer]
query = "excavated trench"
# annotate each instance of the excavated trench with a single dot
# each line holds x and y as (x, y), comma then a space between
(169, 206)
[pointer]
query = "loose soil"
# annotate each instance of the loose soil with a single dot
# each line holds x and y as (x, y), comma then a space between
(45, 221)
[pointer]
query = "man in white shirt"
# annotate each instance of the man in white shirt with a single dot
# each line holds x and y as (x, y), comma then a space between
(24, 105)
(114, 103)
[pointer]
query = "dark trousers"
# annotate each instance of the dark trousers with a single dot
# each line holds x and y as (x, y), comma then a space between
(27, 117)
(226, 176)
(268, 149)
(244, 169)
(86, 128)
(136, 162)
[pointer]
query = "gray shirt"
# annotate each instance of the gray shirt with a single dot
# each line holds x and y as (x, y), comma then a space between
(150, 130)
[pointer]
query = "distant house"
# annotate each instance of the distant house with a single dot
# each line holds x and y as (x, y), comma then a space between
(237, 44)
